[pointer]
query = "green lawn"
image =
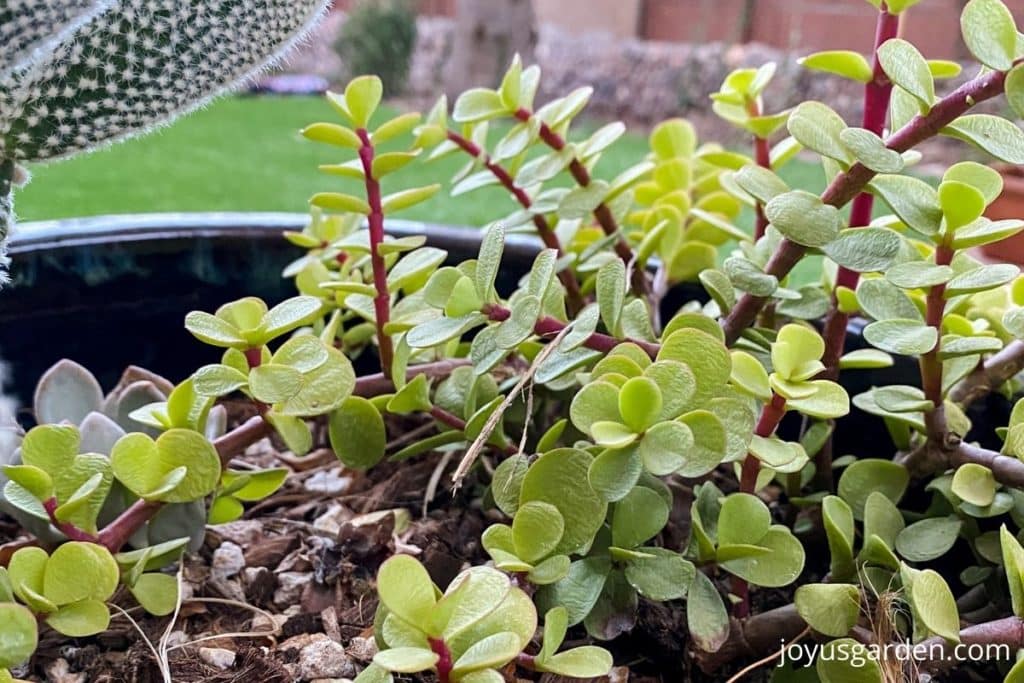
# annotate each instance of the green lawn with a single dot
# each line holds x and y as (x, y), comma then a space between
(245, 154)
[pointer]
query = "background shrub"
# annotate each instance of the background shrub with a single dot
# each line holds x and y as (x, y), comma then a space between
(378, 38)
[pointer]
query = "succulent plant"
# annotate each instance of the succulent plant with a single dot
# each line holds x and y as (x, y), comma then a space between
(77, 75)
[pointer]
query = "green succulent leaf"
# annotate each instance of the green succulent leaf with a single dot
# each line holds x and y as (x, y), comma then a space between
(928, 539)
(993, 134)
(844, 63)
(975, 484)
(865, 250)
(817, 127)
(548, 480)
(778, 567)
(80, 619)
(829, 608)
(905, 337)
(706, 616)
(536, 530)
(866, 477)
(157, 593)
(78, 571)
(908, 70)
(990, 33)
(660, 574)
(19, 636)
(144, 465)
(804, 218)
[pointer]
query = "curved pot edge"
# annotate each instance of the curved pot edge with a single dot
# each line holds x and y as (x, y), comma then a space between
(126, 228)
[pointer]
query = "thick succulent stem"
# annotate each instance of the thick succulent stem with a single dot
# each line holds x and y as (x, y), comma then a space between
(852, 182)
(548, 327)
(544, 230)
(763, 633)
(762, 157)
(877, 94)
(444, 659)
(771, 415)
(381, 302)
(931, 364)
(67, 528)
(990, 375)
(116, 534)
(603, 215)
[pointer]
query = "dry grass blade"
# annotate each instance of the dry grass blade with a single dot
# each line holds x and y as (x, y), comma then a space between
(478, 445)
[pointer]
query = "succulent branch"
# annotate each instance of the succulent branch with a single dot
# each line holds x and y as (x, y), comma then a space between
(990, 375)
(544, 229)
(877, 95)
(603, 215)
(847, 185)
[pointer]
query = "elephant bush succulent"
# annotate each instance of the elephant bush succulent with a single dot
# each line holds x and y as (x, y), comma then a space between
(628, 450)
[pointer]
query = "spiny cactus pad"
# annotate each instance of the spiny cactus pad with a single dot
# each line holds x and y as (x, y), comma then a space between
(138, 65)
(27, 25)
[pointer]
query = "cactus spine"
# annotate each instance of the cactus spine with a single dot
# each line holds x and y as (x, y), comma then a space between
(120, 69)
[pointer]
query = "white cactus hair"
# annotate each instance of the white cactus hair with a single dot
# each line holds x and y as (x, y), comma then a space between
(27, 26)
(107, 70)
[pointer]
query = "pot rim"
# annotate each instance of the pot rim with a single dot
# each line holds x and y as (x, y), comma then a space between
(65, 233)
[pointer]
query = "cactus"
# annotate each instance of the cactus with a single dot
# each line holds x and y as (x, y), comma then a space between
(29, 25)
(113, 70)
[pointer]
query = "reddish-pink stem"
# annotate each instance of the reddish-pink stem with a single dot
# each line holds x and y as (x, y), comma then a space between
(548, 326)
(544, 230)
(771, 415)
(67, 528)
(763, 157)
(444, 659)
(116, 534)
(849, 184)
(381, 302)
(604, 216)
(877, 94)
(931, 364)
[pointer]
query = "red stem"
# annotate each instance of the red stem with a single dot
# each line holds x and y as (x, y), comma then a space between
(446, 418)
(771, 415)
(931, 364)
(877, 94)
(579, 172)
(763, 158)
(116, 534)
(382, 302)
(548, 326)
(846, 186)
(444, 662)
(67, 528)
(544, 230)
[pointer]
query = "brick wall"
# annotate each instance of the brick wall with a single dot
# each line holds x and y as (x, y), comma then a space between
(799, 25)
(805, 25)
